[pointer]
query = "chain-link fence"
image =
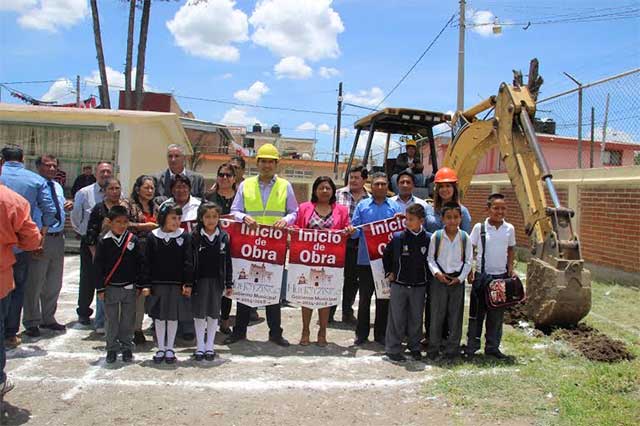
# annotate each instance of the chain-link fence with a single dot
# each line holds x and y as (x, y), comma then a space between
(616, 114)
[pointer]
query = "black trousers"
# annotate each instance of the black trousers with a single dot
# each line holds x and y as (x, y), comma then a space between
(225, 308)
(87, 282)
(367, 289)
(243, 314)
(350, 285)
(478, 314)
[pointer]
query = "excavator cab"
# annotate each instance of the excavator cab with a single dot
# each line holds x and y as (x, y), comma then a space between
(411, 123)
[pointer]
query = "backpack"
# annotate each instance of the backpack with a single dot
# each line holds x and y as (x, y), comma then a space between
(463, 257)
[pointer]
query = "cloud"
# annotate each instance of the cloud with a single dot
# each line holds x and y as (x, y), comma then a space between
(614, 135)
(47, 15)
(481, 22)
(115, 79)
(370, 98)
(209, 29)
(226, 76)
(239, 117)
(292, 67)
(304, 28)
(325, 128)
(325, 72)
(253, 94)
(306, 126)
(61, 91)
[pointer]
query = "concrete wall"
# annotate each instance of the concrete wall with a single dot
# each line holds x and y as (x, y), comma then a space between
(606, 202)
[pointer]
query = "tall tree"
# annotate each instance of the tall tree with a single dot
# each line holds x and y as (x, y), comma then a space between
(104, 85)
(142, 50)
(129, 58)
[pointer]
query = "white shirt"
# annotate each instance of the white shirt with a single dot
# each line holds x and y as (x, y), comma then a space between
(403, 205)
(211, 237)
(450, 255)
(498, 241)
(158, 232)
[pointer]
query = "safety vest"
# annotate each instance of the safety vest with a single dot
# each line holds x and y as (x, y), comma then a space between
(276, 207)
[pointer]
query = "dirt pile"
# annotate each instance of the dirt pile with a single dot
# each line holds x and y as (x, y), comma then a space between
(515, 314)
(593, 344)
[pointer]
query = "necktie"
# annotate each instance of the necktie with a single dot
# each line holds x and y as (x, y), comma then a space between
(55, 200)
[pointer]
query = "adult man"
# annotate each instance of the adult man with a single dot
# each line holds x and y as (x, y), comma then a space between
(17, 230)
(410, 160)
(240, 165)
(406, 185)
(350, 196)
(84, 202)
(176, 163)
(43, 212)
(373, 209)
(45, 268)
(84, 179)
(263, 200)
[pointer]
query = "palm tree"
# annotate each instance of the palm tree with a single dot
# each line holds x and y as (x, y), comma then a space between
(129, 58)
(104, 86)
(142, 50)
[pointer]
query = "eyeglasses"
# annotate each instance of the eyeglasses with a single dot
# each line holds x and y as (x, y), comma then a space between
(227, 175)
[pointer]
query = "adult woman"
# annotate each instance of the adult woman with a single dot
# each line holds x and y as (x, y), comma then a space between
(222, 193)
(181, 195)
(322, 212)
(142, 211)
(446, 191)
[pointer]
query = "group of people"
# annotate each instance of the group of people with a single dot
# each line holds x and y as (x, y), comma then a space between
(162, 252)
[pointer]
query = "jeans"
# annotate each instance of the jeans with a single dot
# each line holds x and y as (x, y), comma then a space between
(4, 309)
(16, 297)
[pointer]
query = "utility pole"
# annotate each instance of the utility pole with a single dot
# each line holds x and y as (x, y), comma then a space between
(461, 30)
(604, 132)
(593, 118)
(579, 118)
(336, 160)
(77, 91)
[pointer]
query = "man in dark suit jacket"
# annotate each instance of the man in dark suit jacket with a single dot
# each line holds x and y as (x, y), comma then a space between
(176, 163)
(411, 160)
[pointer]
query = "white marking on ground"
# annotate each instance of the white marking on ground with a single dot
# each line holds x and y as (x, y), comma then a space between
(85, 381)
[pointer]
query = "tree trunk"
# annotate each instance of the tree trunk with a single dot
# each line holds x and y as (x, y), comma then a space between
(142, 50)
(129, 58)
(104, 86)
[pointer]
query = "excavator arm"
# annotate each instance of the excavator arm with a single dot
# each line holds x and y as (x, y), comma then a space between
(558, 285)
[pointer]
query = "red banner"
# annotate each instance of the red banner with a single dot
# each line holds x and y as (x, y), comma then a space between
(317, 248)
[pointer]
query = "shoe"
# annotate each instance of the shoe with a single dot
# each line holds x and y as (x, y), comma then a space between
(280, 341)
(32, 332)
(432, 356)
(127, 356)
(331, 320)
(396, 357)
(380, 341)
(225, 330)
(209, 355)
(497, 355)
(100, 330)
(188, 336)
(416, 355)
(198, 355)
(12, 342)
(349, 319)
(253, 315)
(159, 357)
(138, 337)
(6, 387)
(55, 326)
(170, 356)
(233, 338)
(84, 320)
(111, 357)
(360, 341)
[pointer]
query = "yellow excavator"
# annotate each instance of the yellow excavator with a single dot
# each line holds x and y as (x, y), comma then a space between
(558, 285)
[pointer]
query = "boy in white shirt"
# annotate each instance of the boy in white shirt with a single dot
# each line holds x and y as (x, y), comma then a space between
(500, 240)
(449, 260)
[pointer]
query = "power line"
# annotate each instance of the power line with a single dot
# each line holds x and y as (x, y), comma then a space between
(417, 61)
(34, 81)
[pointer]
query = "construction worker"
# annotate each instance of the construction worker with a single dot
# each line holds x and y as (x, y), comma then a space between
(409, 160)
(265, 199)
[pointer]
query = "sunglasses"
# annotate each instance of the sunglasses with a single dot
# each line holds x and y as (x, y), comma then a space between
(227, 175)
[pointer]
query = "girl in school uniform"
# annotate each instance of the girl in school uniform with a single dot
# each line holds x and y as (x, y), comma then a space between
(168, 278)
(212, 259)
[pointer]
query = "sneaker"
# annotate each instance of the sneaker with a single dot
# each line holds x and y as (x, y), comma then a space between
(198, 355)
(12, 342)
(6, 387)
(111, 357)
(396, 357)
(127, 356)
(209, 355)
(416, 355)
(55, 326)
(32, 332)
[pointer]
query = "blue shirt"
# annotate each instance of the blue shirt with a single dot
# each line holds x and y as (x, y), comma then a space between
(368, 211)
(33, 188)
(433, 220)
(58, 226)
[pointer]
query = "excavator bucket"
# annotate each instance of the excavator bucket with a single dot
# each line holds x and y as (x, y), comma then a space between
(557, 296)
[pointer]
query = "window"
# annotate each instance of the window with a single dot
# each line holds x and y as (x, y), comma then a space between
(612, 158)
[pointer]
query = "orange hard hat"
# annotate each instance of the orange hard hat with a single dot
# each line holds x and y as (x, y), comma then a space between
(446, 175)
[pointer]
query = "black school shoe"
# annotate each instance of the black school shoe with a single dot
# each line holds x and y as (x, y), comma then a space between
(497, 355)
(198, 355)
(127, 356)
(280, 341)
(111, 357)
(170, 356)
(138, 337)
(158, 357)
(209, 355)
(55, 326)
(32, 332)
(396, 357)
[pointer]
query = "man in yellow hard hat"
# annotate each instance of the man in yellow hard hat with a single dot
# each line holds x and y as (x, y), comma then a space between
(409, 160)
(265, 199)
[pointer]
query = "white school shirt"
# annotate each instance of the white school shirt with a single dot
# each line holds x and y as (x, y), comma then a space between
(450, 255)
(498, 240)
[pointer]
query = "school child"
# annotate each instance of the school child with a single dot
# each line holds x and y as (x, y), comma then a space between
(494, 240)
(168, 278)
(213, 274)
(449, 259)
(405, 265)
(118, 263)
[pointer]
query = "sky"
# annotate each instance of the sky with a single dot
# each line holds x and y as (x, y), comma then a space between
(293, 53)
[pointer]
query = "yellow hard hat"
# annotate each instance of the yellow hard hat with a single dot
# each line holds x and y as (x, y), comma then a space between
(410, 142)
(268, 152)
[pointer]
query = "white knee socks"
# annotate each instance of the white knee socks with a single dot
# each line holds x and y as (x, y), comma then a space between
(212, 326)
(200, 326)
(172, 329)
(161, 328)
